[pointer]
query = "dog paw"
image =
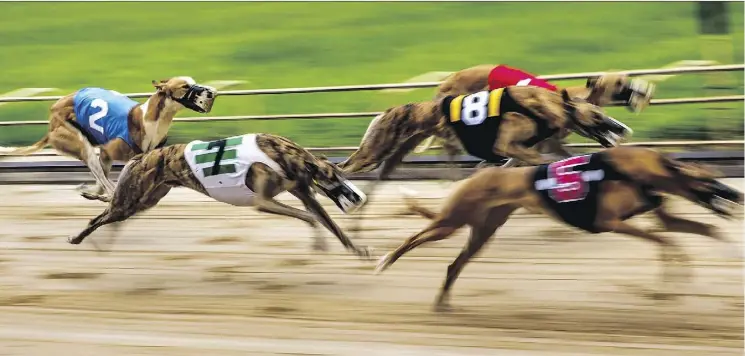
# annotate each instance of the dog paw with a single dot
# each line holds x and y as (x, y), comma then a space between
(75, 240)
(382, 264)
(89, 195)
(408, 196)
(731, 251)
(442, 308)
(365, 253)
(320, 246)
(407, 193)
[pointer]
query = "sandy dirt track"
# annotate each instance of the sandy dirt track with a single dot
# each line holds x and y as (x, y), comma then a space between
(196, 277)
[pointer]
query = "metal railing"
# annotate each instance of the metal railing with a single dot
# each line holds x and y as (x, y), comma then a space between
(354, 115)
(343, 88)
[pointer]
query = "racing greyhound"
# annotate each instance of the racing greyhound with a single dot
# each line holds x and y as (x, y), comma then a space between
(120, 126)
(246, 170)
(595, 192)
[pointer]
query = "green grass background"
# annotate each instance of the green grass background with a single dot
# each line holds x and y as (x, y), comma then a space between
(123, 46)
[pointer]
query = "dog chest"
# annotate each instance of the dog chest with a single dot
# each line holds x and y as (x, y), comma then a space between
(221, 166)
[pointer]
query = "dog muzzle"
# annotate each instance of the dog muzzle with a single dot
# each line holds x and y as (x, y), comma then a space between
(347, 197)
(722, 200)
(637, 95)
(610, 133)
(199, 98)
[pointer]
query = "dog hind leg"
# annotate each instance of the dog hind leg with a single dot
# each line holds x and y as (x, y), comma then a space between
(514, 129)
(140, 187)
(387, 167)
(437, 230)
(110, 215)
(480, 235)
(412, 205)
(87, 154)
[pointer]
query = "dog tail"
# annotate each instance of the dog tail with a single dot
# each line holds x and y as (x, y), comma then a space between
(27, 150)
(412, 204)
(384, 136)
(363, 159)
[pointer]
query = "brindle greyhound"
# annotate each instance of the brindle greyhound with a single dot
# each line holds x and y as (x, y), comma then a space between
(596, 192)
(601, 91)
(504, 122)
(120, 126)
(242, 171)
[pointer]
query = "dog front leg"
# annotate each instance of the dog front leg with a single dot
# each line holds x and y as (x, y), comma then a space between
(554, 145)
(671, 252)
(116, 150)
(320, 213)
(516, 128)
(519, 152)
(672, 223)
(98, 191)
(450, 151)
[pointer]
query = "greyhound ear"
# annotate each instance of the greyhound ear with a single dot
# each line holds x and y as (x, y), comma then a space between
(160, 85)
(565, 95)
(311, 168)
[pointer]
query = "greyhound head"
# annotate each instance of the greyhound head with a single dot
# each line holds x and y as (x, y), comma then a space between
(186, 91)
(699, 185)
(611, 87)
(590, 121)
(330, 180)
(322, 170)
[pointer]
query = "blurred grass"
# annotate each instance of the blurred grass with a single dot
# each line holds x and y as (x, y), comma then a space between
(122, 46)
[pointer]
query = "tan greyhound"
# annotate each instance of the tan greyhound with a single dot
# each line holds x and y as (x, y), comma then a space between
(120, 126)
(595, 192)
(634, 93)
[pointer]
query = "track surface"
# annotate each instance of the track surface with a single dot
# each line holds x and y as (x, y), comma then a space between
(195, 277)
